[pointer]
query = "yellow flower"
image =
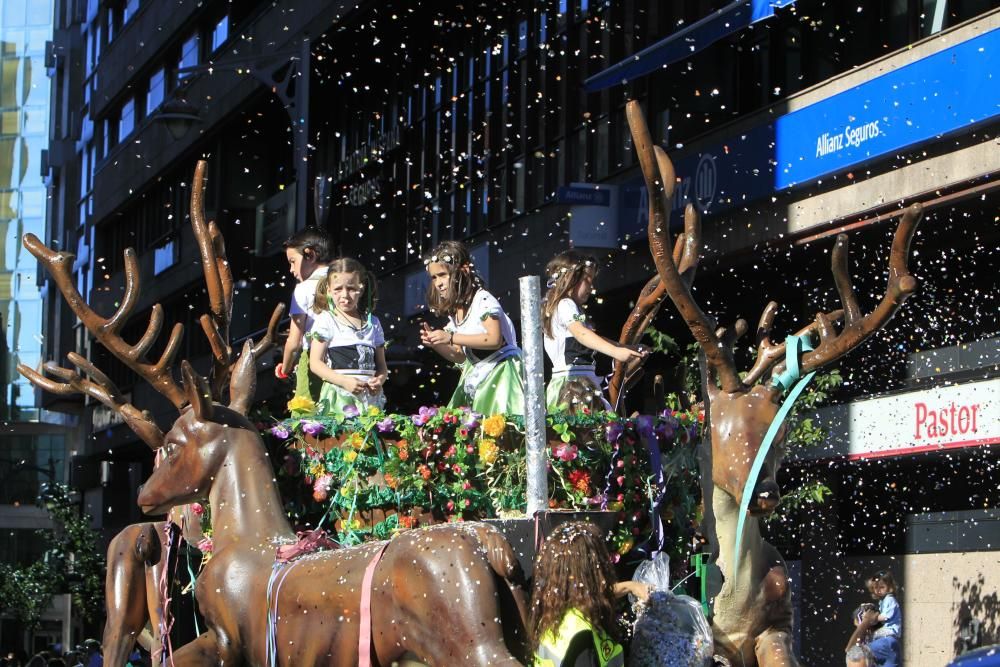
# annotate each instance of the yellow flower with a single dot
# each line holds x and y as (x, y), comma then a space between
(373, 411)
(345, 491)
(626, 546)
(350, 456)
(357, 442)
(301, 404)
(488, 451)
(494, 425)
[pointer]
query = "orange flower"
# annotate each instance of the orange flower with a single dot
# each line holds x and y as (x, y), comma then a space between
(391, 481)
(424, 471)
(407, 522)
(403, 453)
(494, 425)
(488, 451)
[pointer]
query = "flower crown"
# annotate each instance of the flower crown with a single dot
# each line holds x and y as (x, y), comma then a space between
(554, 278)
(439, 259)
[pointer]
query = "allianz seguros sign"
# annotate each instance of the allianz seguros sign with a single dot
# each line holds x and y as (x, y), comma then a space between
(922, 101)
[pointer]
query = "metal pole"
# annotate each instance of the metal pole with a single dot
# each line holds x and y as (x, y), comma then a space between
(534, 393)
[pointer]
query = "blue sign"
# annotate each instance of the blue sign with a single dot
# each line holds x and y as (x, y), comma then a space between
(924, 100)
(585, 196)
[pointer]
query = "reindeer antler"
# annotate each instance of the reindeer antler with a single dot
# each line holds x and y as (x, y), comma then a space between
(107, 330)
(98, 386)
(219, 283)
(685, 258)
(656, 168)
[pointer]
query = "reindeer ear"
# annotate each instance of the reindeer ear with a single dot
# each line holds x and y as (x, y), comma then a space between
(243, 383)
(197, 392)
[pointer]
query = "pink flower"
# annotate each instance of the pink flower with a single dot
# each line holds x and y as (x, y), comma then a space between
(205, 545)
(450, 506)
(321, 487)
(197, 508)
(565, 451)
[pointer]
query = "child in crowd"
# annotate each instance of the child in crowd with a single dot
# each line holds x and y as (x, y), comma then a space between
(308, 253)
(857, 653)
(569, 342)
(479, 335)
(572, 615)
(347, 349)
(884, 644)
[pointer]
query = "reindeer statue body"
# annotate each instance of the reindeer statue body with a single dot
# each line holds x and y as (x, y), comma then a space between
(752, 612)
(434, 593)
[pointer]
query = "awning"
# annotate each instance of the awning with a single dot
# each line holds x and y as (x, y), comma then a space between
(686, 42)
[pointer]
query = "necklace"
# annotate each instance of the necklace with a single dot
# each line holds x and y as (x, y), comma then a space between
(344, 318)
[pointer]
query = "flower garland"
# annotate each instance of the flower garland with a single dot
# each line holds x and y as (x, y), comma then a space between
(453, 464)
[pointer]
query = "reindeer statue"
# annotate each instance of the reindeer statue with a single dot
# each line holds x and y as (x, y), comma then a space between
(432, 594)
(752, 613)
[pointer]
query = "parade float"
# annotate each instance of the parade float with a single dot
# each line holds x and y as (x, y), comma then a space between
(403, 494)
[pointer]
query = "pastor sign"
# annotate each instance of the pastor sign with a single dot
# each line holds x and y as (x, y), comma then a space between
(947, 417)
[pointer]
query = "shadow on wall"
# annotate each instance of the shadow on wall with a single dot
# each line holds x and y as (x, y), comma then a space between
(976, 614)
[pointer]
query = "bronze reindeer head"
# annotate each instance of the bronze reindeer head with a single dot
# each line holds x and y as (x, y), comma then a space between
(202, 420)
(741, 409)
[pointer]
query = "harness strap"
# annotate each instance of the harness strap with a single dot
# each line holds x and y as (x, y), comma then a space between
(365, 630)
(794, 347)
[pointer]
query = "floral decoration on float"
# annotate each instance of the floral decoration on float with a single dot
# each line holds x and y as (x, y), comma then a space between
(377, 473)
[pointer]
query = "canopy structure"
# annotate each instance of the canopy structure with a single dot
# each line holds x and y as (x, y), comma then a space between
(686, 42)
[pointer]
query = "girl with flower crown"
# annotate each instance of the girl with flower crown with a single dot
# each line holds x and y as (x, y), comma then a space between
(569, 342)
(348, 348)
(479, 336)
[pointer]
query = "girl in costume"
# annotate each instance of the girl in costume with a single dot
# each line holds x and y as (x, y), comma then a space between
(348, 345)
(573, 600)
(308, 253)
(479, 335)
(569, 342)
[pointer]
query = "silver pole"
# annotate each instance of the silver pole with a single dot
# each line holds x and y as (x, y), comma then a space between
(534, 393)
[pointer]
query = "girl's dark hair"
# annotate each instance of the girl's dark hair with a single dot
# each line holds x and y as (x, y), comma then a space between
(562, 274)
(347, 265)
(883, 577)
(465, 282)
(312, 242)
(572, 571)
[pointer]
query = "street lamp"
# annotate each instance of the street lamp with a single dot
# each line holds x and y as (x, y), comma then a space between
(178, 115)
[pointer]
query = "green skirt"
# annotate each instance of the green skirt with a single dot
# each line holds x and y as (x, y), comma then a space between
(307, 385)
(502, 391)
(333, 400)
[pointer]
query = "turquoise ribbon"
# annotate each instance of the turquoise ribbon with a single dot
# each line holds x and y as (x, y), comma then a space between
(794, 347)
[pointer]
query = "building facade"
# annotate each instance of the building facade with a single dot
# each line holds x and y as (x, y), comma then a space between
(398, 126)
(35, 444)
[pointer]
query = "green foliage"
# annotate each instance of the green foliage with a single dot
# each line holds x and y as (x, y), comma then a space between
(684, 360)
(72, 563)
(447, 464)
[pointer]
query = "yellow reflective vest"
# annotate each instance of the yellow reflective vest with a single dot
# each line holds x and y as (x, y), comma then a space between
(553, 646)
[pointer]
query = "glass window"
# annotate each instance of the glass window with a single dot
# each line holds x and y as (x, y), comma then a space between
(127, 121)
(39, 13)
(189, 56)
(13, 13)
(157, 90)
(221, 33)
(131, 7)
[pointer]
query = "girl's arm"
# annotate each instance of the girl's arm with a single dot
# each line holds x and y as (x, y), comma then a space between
(440, 341)
(598, 343)
(868, 620)
(317, 354)
(381, 371)
(491, 340)
(293, 344)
